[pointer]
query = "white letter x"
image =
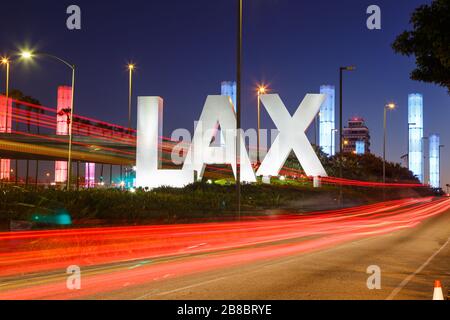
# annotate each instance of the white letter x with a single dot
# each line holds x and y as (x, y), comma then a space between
(292, 135)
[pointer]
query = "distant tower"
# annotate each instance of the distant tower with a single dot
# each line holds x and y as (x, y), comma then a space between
(229, 89)
(62, 127)
(327, 140)
(435, 161)
(356, 137)
(415, 122)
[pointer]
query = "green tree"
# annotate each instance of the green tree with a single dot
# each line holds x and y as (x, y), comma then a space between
(429, 42)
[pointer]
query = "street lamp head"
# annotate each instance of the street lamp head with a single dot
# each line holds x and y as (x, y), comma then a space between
(262, 90)
(349, 68)
(26, 54)
(391, 106)
(131, 67)
(4, 60)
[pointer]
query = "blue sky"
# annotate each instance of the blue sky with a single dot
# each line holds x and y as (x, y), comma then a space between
(184, 49)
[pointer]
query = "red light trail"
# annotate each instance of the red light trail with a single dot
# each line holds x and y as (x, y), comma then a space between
(192, 248)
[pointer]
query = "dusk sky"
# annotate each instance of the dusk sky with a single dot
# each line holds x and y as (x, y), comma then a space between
(184, 49)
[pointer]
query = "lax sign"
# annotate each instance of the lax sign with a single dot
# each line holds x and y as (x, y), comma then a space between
(218, 112)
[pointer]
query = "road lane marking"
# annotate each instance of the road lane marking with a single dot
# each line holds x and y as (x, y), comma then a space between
(197, 246)
(411, 276)
(179, 289)
(140, 264)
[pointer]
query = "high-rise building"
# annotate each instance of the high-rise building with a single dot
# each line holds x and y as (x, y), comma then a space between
(327, 131)
(435, 161)
(228, 88)
(415, 123)
(356, 136)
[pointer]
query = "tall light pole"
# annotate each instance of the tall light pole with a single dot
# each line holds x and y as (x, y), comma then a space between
(440, 147)
(341, 71)
(316, 118)
(390, 106)
(410, 124)
(333, 134)
(6, 62)
(131, 68)
(341, 129)
(261, 91)
(29, 55)
(424, 160)
(238, 104)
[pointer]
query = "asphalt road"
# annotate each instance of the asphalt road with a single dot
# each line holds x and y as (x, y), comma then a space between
(335, 273)
(411, 257)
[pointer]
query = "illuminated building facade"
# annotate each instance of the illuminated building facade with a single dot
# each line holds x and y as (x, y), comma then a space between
(327, 131)
(5, 127)
(356, 136)
(435, 161)
(415, 123)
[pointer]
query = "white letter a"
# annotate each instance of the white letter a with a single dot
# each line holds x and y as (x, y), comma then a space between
(74, 20)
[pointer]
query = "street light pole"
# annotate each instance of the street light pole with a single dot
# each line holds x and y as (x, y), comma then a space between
(30, 55)
(259, 127)
(440, 147)
(424, 160)
(410, 124)
(390, 106)
(340, 117)
(69, 161)
(316, 118)
(341, 71)
(238, 105)
(341, 142)
(6, 62)
(384, 146)
(261, 90)
(333, 133)
(130, 92)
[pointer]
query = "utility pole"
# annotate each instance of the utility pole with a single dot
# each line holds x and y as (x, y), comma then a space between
(238, 106)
